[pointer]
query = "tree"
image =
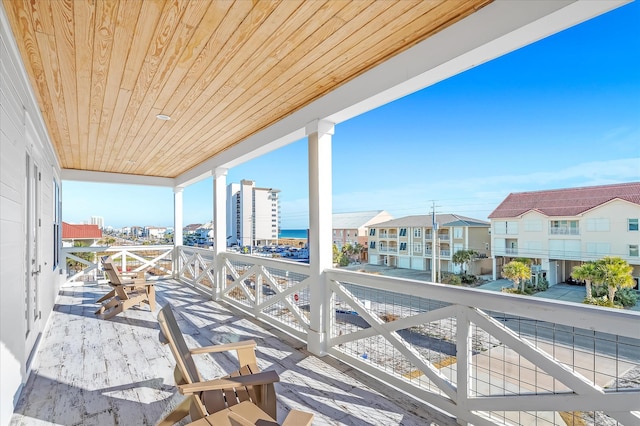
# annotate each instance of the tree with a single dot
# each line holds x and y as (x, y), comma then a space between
(463, 257)
(616, 274)
(589, 273)
(517, 272)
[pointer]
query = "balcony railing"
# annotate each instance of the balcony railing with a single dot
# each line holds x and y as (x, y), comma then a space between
(83, 263)
(511, 250)
(564, 230)
(475, 354)
(445, 253)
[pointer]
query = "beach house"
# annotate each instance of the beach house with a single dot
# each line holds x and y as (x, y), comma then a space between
(169, 93)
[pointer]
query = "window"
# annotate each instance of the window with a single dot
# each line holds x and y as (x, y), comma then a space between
(403, 246)
(417, 232)
(372, 244)
(598, 249)
(457, 232)
(403, 232)
(633, 250)
(372, 231)
(533, 225)
(632, 225)
(598, 225)
(417, 247)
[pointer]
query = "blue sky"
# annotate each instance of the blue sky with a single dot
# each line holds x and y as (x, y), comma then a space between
(560, 113)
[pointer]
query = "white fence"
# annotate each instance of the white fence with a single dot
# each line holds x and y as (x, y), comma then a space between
(484, 357)
(83, 263)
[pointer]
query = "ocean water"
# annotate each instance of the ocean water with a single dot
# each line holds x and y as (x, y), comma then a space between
(292, 233)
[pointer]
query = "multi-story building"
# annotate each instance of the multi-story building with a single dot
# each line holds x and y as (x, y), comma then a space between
(97, 220)
(408, 242)
(351, 228)
(559, 229)
(253, 214)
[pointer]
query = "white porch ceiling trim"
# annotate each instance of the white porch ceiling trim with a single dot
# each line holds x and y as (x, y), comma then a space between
(117, 178)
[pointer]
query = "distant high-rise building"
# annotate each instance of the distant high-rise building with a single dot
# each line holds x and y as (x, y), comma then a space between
(253, 214)
(97, 220)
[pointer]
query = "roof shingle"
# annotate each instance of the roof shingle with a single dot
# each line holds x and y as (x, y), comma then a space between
(565, 202)
(78, 232)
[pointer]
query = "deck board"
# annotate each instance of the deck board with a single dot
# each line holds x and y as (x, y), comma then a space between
(89, 371)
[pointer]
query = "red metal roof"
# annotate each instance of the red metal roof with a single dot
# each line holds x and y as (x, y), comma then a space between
(78, 232)
(565, 202)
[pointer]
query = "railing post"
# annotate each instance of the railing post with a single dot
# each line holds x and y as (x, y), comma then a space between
(320, 233)
(219, 229)
(463, 360)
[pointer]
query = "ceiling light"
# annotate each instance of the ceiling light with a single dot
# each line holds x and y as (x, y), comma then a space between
(163, 117)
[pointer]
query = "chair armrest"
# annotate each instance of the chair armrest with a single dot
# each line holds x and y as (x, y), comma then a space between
(263, 378)
(224, 347)
(298, 418)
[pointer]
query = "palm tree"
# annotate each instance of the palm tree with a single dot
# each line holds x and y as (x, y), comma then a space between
(616, 274)
(588, 272)
(463, 257)
(517, 272)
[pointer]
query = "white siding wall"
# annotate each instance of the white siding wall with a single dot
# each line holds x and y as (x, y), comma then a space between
(16, 104)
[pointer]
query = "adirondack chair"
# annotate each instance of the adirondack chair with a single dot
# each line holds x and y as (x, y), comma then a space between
(127, 291)
(207, 397)
(248, 414)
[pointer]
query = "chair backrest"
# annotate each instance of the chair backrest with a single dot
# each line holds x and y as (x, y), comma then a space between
(184, 360)
(111, 271)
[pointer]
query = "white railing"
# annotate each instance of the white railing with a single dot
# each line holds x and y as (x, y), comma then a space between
(196, 266)
(564, 230)
(156, 261)
(478, 354)
(485, 357)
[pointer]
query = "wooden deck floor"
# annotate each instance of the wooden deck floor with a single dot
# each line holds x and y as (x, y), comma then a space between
(90, 371)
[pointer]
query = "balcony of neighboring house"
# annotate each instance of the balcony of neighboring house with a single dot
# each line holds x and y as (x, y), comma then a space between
(564, 227)
(442, 236)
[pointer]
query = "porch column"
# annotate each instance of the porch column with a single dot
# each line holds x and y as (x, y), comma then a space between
(177, 228)
(219, 227)
(177, 216)
(320, 235)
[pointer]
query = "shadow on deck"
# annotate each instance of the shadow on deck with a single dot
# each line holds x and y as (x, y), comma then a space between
(90, 371)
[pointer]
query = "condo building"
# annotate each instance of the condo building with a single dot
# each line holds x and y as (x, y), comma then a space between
(253, 214)
(559, 229)
(413, 242)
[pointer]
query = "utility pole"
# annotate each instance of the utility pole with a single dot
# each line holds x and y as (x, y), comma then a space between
(434, 233)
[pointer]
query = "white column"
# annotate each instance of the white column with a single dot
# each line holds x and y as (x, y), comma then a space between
(219, 226)
(177, 228)
(177, 216)
(495, 268)
(320, 235)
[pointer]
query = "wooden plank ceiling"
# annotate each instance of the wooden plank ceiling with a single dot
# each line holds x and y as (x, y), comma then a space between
(222, 70)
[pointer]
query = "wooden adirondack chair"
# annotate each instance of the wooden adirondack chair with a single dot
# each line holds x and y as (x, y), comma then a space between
(207, 397)
(248, 414)
(127, 291)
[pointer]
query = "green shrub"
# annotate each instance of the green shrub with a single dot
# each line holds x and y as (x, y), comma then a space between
(512, 290)
(601, 301)
(451, 279)
(468, 278)
(626, 297)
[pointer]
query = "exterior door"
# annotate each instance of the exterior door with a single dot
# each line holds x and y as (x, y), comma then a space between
(32, 252)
